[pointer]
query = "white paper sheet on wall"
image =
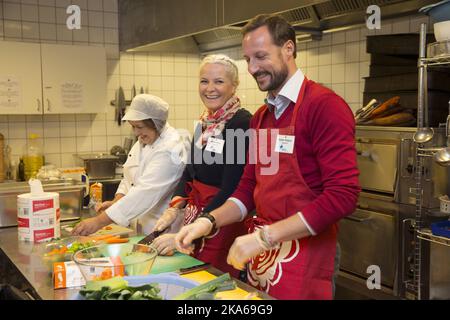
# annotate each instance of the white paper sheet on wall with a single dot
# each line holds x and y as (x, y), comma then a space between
(72, 95)
(10, 92)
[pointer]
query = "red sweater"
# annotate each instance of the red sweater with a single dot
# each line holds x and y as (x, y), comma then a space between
(325, 146)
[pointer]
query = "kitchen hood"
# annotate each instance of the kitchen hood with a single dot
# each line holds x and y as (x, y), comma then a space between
(199, 26)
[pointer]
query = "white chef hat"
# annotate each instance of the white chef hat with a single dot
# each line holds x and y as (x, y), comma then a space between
(147, 106)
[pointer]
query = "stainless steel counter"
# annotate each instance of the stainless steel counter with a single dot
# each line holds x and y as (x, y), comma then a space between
(24, 263)
(26, 257)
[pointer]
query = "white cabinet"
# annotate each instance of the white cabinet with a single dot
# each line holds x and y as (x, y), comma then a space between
(73, 78)
(52, 78)
(20, 78)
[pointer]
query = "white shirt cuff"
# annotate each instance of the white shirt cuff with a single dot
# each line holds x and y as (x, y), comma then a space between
(241, 206)
(116, 216)
(311, 230)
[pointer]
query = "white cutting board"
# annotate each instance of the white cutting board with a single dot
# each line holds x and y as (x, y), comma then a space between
(113, 229)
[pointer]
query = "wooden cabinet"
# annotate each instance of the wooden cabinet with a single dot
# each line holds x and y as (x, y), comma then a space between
(52, 78)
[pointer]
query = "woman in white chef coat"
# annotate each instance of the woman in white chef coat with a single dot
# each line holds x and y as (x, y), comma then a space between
(153, 168)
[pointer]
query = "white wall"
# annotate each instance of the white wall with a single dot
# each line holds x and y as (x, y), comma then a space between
(339, 61)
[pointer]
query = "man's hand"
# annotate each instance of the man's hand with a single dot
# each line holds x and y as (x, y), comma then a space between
(243, 249)
(91, 225)
(184, 238)
(165, 244)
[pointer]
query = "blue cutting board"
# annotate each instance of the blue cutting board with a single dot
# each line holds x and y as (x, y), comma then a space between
(170, 263)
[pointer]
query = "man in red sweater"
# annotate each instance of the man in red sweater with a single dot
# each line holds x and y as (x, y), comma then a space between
(309, 130)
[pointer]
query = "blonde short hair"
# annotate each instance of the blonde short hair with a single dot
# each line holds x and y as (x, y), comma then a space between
(226, 61)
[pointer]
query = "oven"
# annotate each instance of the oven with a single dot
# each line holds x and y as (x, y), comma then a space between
(380, 232)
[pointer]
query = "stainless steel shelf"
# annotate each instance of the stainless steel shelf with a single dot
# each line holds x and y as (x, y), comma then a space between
(437, 61)
(425, 234)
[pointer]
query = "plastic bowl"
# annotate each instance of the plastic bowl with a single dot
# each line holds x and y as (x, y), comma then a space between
(442, 31)
(105, 261)
(63, 249)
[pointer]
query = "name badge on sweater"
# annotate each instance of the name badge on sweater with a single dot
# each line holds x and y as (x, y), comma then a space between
(215, 145)
(284, 144)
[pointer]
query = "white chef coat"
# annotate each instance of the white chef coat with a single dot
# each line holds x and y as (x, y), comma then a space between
(151, 174)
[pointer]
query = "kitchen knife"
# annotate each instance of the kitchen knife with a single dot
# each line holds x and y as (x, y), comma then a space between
(133, 92)
(142, 90)
(152, 236)
(121, 105)
(199, 267)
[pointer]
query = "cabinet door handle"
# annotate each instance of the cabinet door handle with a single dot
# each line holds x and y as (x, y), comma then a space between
(38, 105)
(48, 105)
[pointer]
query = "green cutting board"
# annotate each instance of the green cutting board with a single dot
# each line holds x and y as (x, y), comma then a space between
(170, 263)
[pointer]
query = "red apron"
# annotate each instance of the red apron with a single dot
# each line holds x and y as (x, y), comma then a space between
(214, 248)
(301, 268)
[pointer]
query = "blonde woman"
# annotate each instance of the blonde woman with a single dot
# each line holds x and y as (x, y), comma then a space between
(205, 186)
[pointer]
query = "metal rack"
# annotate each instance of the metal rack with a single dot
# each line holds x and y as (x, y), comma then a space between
(422, 123)
(425, 234)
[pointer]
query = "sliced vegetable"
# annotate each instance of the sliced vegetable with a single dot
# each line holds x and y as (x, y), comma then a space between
(208, 290)
(117, 289)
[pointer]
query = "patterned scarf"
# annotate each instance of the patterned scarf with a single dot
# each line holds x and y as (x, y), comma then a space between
(214, 123)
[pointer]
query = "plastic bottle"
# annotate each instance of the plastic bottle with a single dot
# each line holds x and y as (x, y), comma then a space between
(34, 158)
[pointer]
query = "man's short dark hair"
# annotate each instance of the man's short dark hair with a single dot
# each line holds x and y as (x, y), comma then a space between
(280, 30)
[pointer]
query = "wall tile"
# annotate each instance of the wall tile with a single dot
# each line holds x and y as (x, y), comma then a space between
(111, 35)
(52, 145)
(52, 130)
(47, 14)
(338, 54)
(338, 73)
(30, 13)
(352, 72)
(96, 35)
(95, 5)
(99, 144)
(68, 129)
(110, 20)
(352, 52)
(54, 159)
(312, 57)
(30, 30)
(63, 33)
(12, 29)
(81, 3)
(63, 3)
(11, 11)
(110, 5)
(84, 144)
(324, 74)
(324, 56)
(95, 19)
(50, 3)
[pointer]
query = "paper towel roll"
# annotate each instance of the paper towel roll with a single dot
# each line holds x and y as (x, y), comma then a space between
(38, 214)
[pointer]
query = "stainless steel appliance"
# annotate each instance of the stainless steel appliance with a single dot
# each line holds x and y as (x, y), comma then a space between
(71, 195)
(380, 232)
(99, 166)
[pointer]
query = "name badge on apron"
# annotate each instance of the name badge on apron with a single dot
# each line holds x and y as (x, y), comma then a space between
(215, 145)
(284, 144)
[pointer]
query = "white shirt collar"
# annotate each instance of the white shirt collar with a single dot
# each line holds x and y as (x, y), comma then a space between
(288, 93)
(291, 88)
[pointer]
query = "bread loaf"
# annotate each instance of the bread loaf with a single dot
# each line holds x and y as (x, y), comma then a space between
(385, 106)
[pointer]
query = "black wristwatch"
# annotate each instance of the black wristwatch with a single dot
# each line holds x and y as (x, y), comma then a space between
(208, 216)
